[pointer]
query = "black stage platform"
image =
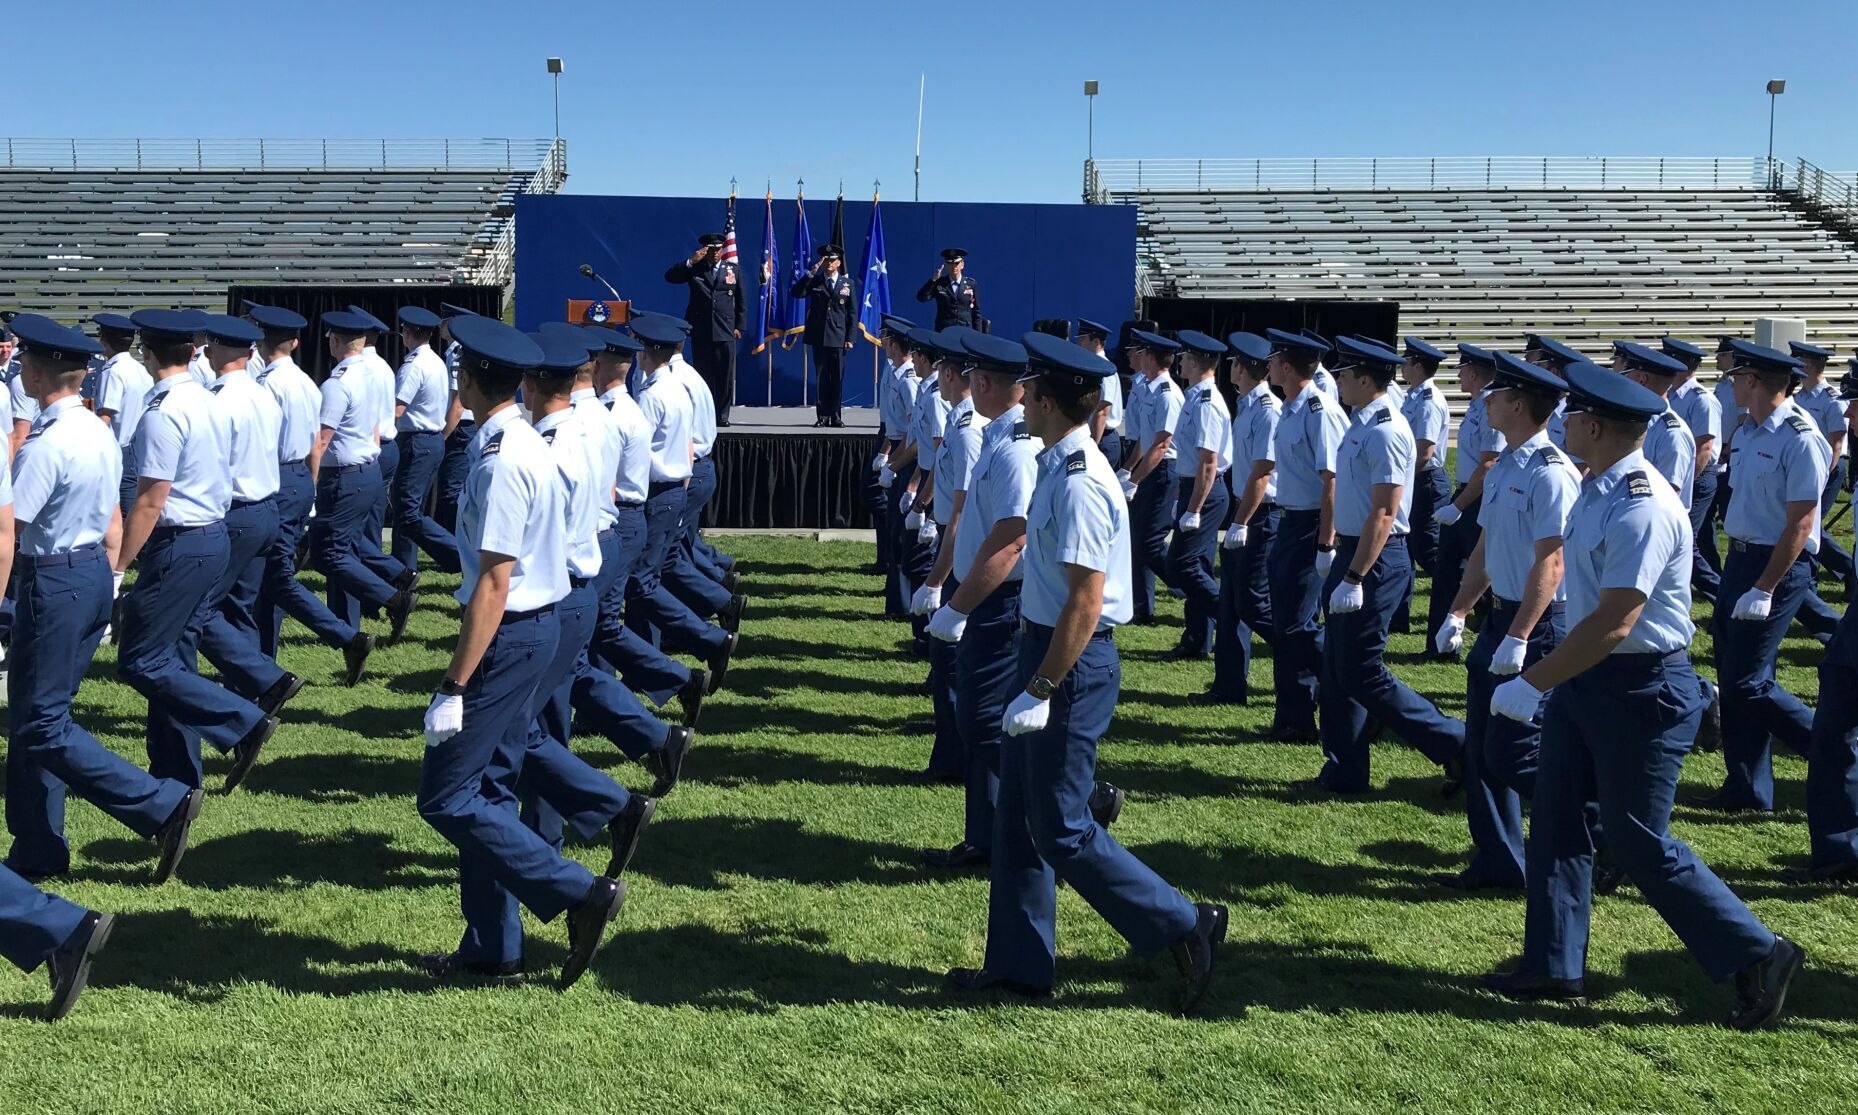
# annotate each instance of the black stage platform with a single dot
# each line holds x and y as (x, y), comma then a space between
(775, 471)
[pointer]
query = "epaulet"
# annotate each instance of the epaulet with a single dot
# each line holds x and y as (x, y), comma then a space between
(1638, 485)
(1671, 421)
(1316, 403)
(154, 403)
(966, 418)
(1020, 433)
(548, 436)
(1799, 424)
(492, 447)
(1076, 463)
(1552, 455)
(339, 370)
(215, 389)
(1383, 418)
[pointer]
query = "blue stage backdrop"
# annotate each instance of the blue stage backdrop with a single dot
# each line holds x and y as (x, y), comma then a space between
(1031, 261)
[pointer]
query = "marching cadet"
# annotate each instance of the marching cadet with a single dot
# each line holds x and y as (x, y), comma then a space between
(1779, 468)
(1201, 439)
(1732, 415)
(831, 314)
(422, 394)
(1148, 480)
(1309, 435)
(1519, 559)
(460, 428)
(515, 572)
(63, 500)
(1624, 708)
(1108, 425)
(956, 298)
(895, 460)
(1669, 445)
(380, 380)
(717, 311)
(1370, 575)
(690, 573)
(1478, 446)
(299, 405)
(177, 528)
(1703, 415)
(1077, 572)
(122, 385)
(1244, 581)
(926, 429)
(1820, 401)
(1423, 407)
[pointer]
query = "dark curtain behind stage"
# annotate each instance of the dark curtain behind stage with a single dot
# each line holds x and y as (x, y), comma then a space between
(381, 301)
(791, 481)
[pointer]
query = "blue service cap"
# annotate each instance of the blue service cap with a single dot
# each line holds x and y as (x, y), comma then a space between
(39, 334)
(1725, 344)
(614, 340)
(1558, 352)
(1328, 345)
(346, 321)
(677, 323)
(946, 344)
(115, 323)
(173, 325)
(374, 323)
(1056, 358)
(1848, 384)
(576, 333)
(921, 337)
(419, 317)
(1354, 353)
(1249, 348)
(275, 319)
(450, 310)
(1284, 341)
(1802, 349)
(1596, 390)
(995, 353)
(1195, 341)
(486, 344)
(1094, 328)
(898, 325)
(1683, 350)
(1471, 354)
(1749, 356)
(1514, 371)
(1153, 342)
(562, 353)
(1417, 349)
(232, 332)
(1644, 358)
(657, 330)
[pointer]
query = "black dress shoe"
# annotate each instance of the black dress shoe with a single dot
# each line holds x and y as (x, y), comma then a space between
(1526, 988)
(1469, 883)
(1215, 697)
(245, 752)
(355, 658)
(1720, 803)
(69, 967)
(451, 967)
(587, 925)
(1183, 653)
(1453, 781)
(980, 979)
(819, 423)
(719, 661)
(408, 581)
(722, 423)
(1106, 803)
(692, 694)
(1710, 728)
(731, 613)
(1607, 875)
(1284, 734)
(34, 875)
(1761, 988)
(667, 763)
(279, 695)
(625, 831)
(1196, 954)
(171, 837)
(936, 778)
(399, 610)
(959, 858)
(1835, 874)
(730, 581)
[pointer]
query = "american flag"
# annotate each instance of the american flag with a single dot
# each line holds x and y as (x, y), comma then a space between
(729, 252)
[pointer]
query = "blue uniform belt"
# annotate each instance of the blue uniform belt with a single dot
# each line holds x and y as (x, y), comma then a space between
(1293, 511)
(1501, 603)
(1737, 546)
(659, 487)
(167, 532)
(575, 580)
(1032, 628)
(1356, 539)
(78, 556)
(242, 504)
(628, 504)
(338, 470)
(525, 617)
(300, 464)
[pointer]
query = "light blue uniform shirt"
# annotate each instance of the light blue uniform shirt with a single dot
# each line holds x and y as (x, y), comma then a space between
(1628, 531)
(253, 421)
(1000, 487)
(1821, 404)
(574, 448)
(1475, 438)
(1309, 433)
(6, 397)
(122, 388)
(1077, 517)
(299, 406)
(1732, 416)
(702, 406)
(1203, 422)
(1162, 409)
(184, 438)
(954, 461)
(899, 402)
(451, 371)
(1528, 494)
(381, 390)
(1672, 450)
(607, 444)
(513, 505)
(666, 406)
(1378, 449)
(25, 407)
(350, 408)
(1326, 384)
(1702, 413)
(930, 420)
(1135, 409)
(1113, 395)
(1783, 460)
(1425, 414)
(1254, 439)
(200, 369)
(635, 445)
(423, 387)
(65, 480)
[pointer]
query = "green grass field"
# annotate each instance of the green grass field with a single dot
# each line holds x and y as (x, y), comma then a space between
(782, 950)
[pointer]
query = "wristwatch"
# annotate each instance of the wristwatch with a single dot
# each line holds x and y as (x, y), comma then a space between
(450, 688)
(1352, 577)
(1041, 687)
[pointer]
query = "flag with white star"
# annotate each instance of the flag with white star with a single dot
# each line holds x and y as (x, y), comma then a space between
(876, 301)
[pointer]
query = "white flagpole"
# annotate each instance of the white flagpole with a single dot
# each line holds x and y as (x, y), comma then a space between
(922, 86)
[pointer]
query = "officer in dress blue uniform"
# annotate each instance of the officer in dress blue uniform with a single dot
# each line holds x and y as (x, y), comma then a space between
(1779, 466)
(895, 459)
(1370, 575)
(63, 486)
(1077, 588)
(717, 309)
(831, 314)
(1478, 446)
(1700, 411)
(1094, 338)
(122, 385)
(956, 297)
(1669, 445)
(1518, 559)
(1820, 400)
(515, 572)
(1148, 479)
(177, 529)
(1624, 708)
(299, 406)
(1244, 582)
(1423, 407)
(460, 427)
(422, 394)
(1202, 442)
(1309, 435)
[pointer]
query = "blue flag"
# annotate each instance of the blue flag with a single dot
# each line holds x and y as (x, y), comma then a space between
(802, 263)
(771, 318)
(876, 302)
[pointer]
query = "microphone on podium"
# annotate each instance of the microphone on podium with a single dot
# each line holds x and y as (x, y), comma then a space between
(587, 269)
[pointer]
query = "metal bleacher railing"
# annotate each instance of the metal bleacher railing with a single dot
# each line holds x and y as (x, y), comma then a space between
(1832, 195)
(275, 154)
(494, 264)
(1104, 178)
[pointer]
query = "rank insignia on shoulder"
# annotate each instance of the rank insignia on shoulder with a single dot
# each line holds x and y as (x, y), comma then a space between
(1552, 455)
(1316, 403)
(492, 447)
(154, 402)
(215, 389)
(1020, 433)
(1076, 463)
(1671, 421)
(548, 436)
(964, 421)
(1383, 418)
(1638, 486)
(1799, 424)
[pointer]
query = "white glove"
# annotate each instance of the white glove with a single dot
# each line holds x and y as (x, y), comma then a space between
(444, 718)
(1346, 598)
(1189, 522)
(1025, 714)
(926, 599)
(116, 585)
(1128, 490)
(906, 501)
(1447, 515)
(1125, 478)
(1235, 537)
(885, 477)
(879, 461)
(1450, 639)
(913, 520)
(927, 532)
(1517, 700)
(1324, 559)
(947, 624)
(1509, 657)
(1754, 604)
(2, 656)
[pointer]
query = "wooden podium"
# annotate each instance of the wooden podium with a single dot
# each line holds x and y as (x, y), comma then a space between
(598, 311)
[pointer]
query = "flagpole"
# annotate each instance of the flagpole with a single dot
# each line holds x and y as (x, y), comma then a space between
(922, 86)
(878, 345)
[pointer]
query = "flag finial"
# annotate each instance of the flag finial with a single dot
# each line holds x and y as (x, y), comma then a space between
(732, 190)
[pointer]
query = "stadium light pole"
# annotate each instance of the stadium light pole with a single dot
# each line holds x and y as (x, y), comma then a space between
(1090, 121)
(1775, 89)
(554, 67)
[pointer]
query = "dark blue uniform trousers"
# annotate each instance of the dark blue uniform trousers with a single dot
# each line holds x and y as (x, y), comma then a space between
(1617, 735)
(683, 575)
(710, 561)
(1244, 606)
(918, 558)
(1431, 490)
(32, 923)
(1455, 545)
(345, 499)
(644, 668)
(389, 463)
(1359, 694)
(467, 793)
(1150, 519)
(454, 469)
(1755, 709)
(281, 593)
(947, 755)
(1190, 561)
(1705, 564)
(1296, 592)
(1719, 507)
(986, 678)
(651, 609)
(229, 639)
(1832, 765)
(181, 568)
(64, 604)
(1043, 830)
(1500, 754)
(132, 475)
(897, 584)
(414, 530)
(1833, 556)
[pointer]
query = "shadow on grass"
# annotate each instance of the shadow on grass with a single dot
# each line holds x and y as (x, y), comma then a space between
(274, 859)
(702, 852)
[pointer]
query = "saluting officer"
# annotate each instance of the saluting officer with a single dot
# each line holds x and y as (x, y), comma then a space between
(1148, 479)
(831, 313)
(717, 312)
(1093, 338)
(1624, 709)
(1519, 559)
(1423, 407)
(956, 298)
(1669, 445)
(1702, 413)
(422, 394)
(1201, 439)
(1076, 592)
(1370, 575)
(1244, 579)
(1478, 446)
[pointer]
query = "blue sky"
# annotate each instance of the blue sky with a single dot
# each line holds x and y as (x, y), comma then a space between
(676, 97)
